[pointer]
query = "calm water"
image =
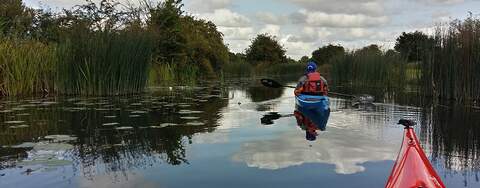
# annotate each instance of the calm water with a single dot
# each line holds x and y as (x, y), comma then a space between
(212, 136)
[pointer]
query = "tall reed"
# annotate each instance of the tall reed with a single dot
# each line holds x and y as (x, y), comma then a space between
(368, 69)
(26, 67)
(451, 69)
(104, 63)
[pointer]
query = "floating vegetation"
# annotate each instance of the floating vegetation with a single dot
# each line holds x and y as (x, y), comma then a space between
(134, 116)
(6, 111)
(24, 145)
(189, 118)
(23, 114)
(110, 124)
(184, 105)
(61, 138)
(19, 126)
(18, 109)
(14, 122)
(189, 112)
(139, 112)
(195, 123)
(110, 117)
(124, 128)
(168, 124)
(52, 146)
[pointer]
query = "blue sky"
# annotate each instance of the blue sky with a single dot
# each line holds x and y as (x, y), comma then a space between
(304, 25)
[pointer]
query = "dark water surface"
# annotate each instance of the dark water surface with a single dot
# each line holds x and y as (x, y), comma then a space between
(212, 136)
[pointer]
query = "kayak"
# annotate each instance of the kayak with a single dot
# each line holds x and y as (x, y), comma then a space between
(412, 168)
(319, 117)
(312, 102)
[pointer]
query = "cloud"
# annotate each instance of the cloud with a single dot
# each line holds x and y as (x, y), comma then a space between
(271, 29)
(322, 19)
(207, 5)
(270, 18)
(226, 18)
(366, 7)
(447, 2)
(342, 147)
(237, 33)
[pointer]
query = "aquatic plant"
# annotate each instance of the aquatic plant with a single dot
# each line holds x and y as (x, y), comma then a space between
(26, 67)
(104, 63)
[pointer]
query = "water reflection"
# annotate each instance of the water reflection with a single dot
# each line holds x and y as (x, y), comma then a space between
(117, 134)
(173, 133)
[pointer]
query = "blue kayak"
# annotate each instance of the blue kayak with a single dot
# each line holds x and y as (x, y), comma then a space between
(316, 108)
(313, 102)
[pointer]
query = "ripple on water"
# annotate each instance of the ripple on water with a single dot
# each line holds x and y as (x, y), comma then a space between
(189, 117)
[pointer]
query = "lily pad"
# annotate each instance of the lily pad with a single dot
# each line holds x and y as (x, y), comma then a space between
(24, 145)
(61, 138)
(189, 118)
(110, 124)
(18, 126)
(14, 122)
(124, 128)
(195, 123)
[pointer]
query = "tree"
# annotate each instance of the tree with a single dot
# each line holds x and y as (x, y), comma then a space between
(372, 49)
(304, 59)
(164, 22)
(413, 46)
(325, 53)
(265, 48)
(15, 18)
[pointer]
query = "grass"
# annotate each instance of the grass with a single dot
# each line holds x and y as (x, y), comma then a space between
(173, 74)
(26, 67)
(104, 63)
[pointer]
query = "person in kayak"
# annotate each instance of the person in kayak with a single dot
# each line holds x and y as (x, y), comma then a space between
(312, 83)
(306, 124)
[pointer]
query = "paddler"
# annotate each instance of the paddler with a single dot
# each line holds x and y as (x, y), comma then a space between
(312, 83)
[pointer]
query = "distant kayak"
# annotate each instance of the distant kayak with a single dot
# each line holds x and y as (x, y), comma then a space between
(412, 168)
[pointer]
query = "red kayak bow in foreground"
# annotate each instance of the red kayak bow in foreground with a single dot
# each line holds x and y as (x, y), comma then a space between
(412, 168)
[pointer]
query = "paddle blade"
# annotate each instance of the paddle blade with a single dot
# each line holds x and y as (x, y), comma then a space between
(270, 83)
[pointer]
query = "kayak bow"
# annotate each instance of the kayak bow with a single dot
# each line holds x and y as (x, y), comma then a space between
(412, 168)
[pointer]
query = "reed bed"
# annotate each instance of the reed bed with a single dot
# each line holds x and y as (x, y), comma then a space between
(368, 69)
(452, 67)
(26, 67)
(173, 74)
(104, 63)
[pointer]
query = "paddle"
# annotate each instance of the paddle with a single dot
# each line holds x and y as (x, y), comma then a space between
(274, 84)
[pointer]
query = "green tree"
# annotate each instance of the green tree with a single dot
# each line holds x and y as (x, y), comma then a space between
(304, 59)
(265, 49)
(16, 19)
(413, 46)
(372, 49)
(325, 53)
(164, 22)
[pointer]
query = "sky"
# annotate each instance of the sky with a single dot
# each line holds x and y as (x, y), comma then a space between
(302, 26)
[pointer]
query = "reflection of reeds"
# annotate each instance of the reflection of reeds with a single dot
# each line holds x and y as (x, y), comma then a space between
(453, 136)
(452, 66)
(26, 67)
(104, 63)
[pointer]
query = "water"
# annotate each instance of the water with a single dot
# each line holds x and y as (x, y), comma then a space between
(212, 136)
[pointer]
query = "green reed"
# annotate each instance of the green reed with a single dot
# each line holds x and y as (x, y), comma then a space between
(26, 67)
(368, 69)
(174, 74)
(451, 69)
(104, 63)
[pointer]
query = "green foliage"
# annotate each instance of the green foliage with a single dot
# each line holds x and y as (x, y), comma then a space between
(15, 18)
(265, 49)
(325, 53)
(304, 60)
(413, 46)
(26, 67)
(164, 22)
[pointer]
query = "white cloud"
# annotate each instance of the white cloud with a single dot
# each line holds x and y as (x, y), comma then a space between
(322, 19)
(207, 5)
(271, 29)
(270, 18)
(226, 18)
(448, 2)
(367, 7)
(237, 33)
